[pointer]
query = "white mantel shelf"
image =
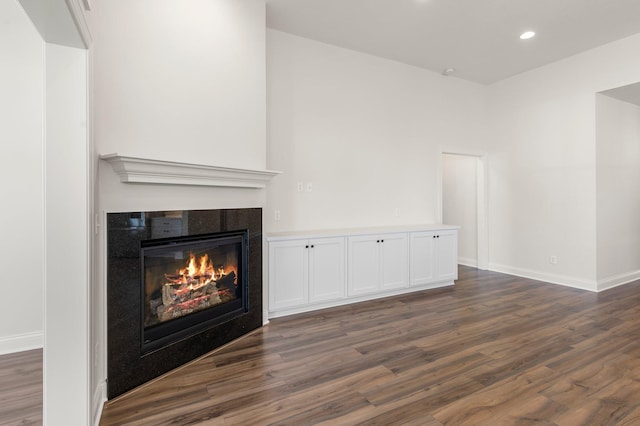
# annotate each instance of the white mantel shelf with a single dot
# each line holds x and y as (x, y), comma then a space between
(145, 170)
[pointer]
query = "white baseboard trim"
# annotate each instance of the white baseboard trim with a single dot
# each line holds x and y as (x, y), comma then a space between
(618, 280)
(348, 300)
(467, 261)
(21, 342)
(99, 398)
(543, 276)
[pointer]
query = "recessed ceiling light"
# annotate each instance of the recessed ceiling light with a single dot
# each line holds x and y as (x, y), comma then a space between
(527, 35)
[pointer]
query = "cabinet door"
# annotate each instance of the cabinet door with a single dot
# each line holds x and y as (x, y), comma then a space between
(447, 255)
(326, 269)
(422, 262)
(364, 275)
(394, 261)
(288, 274)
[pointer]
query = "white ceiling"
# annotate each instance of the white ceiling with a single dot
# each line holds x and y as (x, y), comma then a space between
(479, 38)
(54, 22)
(630, 93)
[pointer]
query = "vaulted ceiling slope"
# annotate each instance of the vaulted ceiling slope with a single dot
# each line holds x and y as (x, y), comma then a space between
(630, 93)
(478, 38)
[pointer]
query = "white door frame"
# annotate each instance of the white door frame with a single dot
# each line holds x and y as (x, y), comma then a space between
(483, 219)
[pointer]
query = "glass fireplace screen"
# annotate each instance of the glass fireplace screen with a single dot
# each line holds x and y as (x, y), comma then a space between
(190, 283)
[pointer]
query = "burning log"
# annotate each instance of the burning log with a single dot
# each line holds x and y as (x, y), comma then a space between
(173, 278)
(194, 288)
(185, 308)
(181, 279)
(227, 281)
(173, 293)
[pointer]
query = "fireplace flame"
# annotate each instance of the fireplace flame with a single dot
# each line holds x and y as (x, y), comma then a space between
(197, 286)
(204, 264)
(197, 271)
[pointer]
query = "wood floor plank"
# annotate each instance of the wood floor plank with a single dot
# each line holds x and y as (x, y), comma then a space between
(491, 402)
(21, 388)
(535, 411)
(493, 350)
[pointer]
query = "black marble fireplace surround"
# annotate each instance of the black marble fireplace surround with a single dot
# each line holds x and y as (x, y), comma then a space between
(127, 364)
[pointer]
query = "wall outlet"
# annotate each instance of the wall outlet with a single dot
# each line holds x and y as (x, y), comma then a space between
(300, 187)
(553, 260)
(309, 186)
(276, 215)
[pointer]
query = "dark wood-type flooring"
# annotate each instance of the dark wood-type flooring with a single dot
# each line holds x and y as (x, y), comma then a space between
(493, 350)
(21, 388)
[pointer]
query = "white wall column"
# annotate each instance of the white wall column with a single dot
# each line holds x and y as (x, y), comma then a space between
(66, 316)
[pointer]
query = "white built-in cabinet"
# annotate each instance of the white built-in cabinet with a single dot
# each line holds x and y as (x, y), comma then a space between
(307, 271)
(326, 269)
(434, 257)
(310, 271)
(377, 262)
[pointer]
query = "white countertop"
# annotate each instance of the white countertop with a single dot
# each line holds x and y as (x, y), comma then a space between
(322, 233)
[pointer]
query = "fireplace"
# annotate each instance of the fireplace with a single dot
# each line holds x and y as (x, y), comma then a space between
(179, 284)
(189, 284)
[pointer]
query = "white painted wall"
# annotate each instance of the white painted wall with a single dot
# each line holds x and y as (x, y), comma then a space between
(618, 191)
(542, 181)
(67, 280)
(460, 203)
(21, 177)
(364, 131)
(181, 80)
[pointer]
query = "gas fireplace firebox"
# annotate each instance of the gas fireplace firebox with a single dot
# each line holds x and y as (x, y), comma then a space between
(189, 284)
(179, 284)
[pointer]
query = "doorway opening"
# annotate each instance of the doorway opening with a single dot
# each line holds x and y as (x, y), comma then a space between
(463, 203)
